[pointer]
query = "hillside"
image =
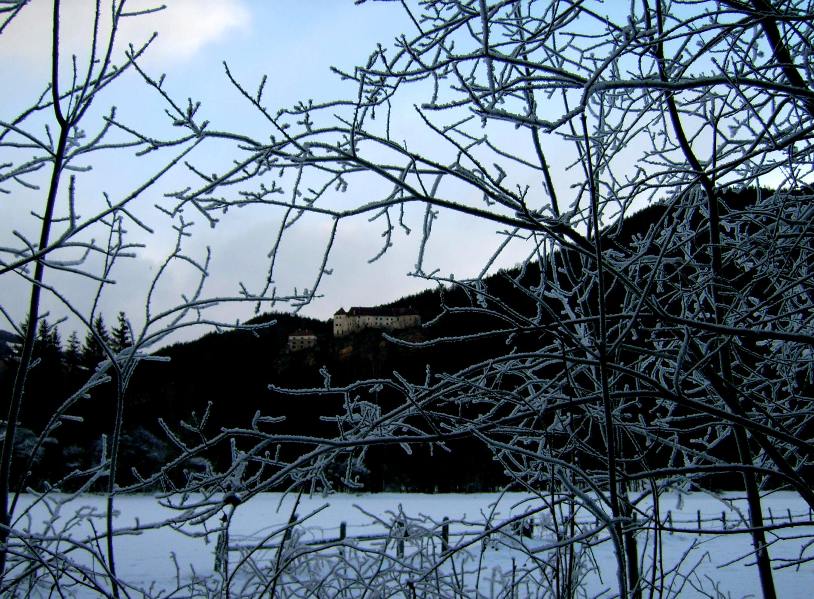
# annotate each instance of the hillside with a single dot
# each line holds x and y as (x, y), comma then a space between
(223, 380)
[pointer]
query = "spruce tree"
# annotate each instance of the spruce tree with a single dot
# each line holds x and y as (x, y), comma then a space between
(41, 340)
(93, 351)
(73, 352)
(120, 336)
(48, 344)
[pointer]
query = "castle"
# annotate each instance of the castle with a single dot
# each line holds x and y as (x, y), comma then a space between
(301, 339)
(358, 318)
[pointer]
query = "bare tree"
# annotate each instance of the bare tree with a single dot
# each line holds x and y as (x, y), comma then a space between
(83, 236)
(556, 121)
(620, 362)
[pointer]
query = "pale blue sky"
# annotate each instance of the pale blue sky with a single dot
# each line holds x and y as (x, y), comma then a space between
(294, 43)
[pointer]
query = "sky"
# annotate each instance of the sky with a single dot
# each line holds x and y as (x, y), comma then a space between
(294, 43)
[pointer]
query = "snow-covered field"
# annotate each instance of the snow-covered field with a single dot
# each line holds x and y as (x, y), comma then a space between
(159, 559)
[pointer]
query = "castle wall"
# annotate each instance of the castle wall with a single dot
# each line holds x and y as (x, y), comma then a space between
(299, 342)
(345, 324)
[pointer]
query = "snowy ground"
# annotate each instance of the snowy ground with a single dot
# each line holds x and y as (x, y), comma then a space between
(703, 564)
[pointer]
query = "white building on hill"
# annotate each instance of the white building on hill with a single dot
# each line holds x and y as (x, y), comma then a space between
(358, 318)
(301, 339)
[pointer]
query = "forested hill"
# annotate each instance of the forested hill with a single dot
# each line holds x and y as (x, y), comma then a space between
(222, 380)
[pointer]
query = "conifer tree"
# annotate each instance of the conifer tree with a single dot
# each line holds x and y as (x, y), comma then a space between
(120, 336)
(55, 341)
(41, 341)
(73, 352)
(92, 350)
(48, 344)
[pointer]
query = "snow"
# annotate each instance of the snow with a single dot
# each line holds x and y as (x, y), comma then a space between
(721, 562)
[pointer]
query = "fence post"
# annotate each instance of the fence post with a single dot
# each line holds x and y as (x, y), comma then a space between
(528, 528)
(791, 518)
(398, 532)
(723, 519)
(514, 577)
(445, 535)
(343, 533)
(287, 534)
(670, 520)
(222, 553)
(698, 518)
(771, 516)
(222, 548)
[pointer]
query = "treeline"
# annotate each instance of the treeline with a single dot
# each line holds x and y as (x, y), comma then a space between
(75, 436)
(87, 353)
(226, 375)
(221, 381)
(235, 374)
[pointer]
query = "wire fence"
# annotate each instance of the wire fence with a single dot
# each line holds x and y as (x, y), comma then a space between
(450, 533)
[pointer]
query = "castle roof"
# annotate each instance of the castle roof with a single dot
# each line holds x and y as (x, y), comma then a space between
(303, 333)
(376, 311)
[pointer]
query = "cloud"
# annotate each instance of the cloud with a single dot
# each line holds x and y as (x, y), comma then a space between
(184, 27)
